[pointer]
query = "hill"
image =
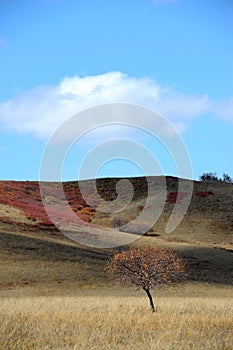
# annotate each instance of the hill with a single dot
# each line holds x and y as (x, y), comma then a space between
(55, 293)
(34, 252)
(209, 218)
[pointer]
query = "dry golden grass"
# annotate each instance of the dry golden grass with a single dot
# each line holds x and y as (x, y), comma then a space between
(14, 214)
(55, 295)
(100, 321)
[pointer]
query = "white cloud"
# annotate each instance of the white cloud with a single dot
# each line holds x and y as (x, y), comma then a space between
(41, 110)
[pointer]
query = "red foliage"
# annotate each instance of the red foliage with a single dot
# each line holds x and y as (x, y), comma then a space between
(88, 211)
(26, 197)
(203, 194)
(84, 217)
(174, 197)
(140, 207)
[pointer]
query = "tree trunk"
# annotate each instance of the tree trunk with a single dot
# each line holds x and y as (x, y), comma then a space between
(147, 290)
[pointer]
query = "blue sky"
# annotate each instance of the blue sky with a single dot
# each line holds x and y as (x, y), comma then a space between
(59, 57)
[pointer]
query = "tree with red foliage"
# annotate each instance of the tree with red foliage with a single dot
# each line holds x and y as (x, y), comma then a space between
(147, 266)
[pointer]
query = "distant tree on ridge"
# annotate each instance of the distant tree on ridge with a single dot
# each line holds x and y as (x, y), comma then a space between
(207, 177)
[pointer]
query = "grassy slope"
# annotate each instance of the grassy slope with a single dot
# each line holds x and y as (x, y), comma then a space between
(209, 220)
(56, 295)
(35, 255)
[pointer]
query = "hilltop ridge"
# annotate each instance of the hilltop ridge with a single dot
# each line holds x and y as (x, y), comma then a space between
(209, 217)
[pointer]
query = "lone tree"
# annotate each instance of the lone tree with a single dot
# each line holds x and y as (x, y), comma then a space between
(147, 266)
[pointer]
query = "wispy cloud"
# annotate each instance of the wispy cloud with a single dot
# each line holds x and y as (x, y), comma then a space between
(223, 109)
(41, 110)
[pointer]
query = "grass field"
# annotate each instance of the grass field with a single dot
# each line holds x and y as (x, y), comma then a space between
(55, 293)
(110, 318)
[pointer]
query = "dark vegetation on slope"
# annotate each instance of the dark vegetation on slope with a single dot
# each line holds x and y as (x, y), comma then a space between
(33, 252)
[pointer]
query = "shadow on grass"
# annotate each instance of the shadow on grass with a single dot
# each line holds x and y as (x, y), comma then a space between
(213, 265)
(34, 248)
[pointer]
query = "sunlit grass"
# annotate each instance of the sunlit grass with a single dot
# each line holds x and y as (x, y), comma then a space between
(102, 321)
